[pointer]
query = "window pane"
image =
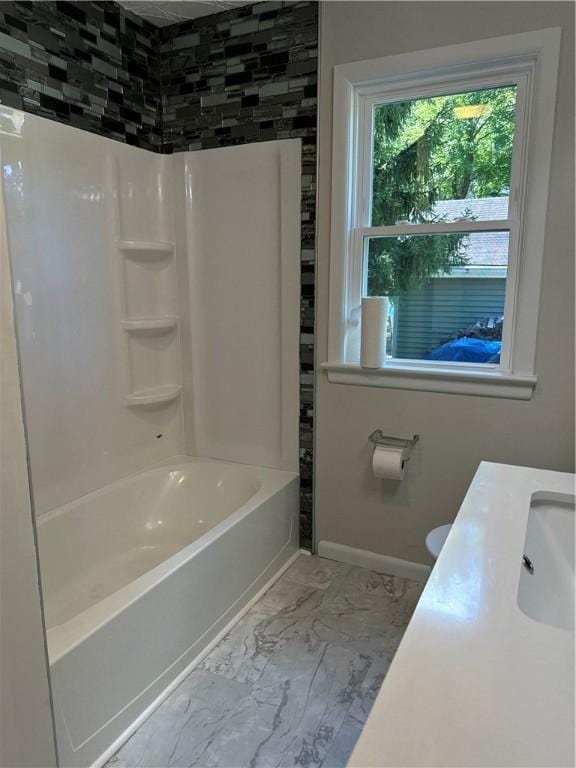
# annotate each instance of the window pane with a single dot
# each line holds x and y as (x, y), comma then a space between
(443, 158)
(447, 293)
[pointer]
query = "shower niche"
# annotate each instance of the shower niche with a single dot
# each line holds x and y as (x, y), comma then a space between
(145, 244)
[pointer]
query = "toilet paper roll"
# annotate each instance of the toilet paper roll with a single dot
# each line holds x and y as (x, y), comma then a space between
(373, 331)
(388, 462)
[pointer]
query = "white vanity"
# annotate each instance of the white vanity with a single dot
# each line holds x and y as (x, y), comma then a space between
(485, 673)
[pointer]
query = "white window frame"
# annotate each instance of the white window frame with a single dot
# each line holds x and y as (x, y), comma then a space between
(529, 61)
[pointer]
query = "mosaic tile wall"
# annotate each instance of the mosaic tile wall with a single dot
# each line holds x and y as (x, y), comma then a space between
(88, 64)
(240, 76)
(251, 75)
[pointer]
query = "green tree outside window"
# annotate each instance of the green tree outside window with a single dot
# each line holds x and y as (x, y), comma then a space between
(452, 147)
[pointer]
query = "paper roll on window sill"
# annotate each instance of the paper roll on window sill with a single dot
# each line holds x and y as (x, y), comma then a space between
(373, 331)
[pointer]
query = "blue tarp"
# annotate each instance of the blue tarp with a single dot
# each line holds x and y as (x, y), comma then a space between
(467, 350)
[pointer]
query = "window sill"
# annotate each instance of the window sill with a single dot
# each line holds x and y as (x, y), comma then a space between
(484, 383)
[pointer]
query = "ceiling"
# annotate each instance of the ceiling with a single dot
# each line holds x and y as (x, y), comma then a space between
(165, 12)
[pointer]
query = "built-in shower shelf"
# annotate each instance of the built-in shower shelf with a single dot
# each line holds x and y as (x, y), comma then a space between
(146, 249)
(151, 326)
(150, 397)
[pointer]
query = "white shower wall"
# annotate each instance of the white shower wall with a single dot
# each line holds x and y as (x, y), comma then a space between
(71, 197)
(138, 340)
(239, 263)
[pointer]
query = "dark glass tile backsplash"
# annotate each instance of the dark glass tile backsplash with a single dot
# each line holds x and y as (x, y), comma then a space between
(245, 75)
(90, 65)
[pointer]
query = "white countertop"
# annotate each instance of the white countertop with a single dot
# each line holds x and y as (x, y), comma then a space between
(475, 681)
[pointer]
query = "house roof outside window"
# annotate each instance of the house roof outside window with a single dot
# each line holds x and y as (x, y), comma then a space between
(486, 249)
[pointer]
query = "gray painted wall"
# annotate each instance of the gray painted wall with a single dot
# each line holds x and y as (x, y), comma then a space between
(457, 432)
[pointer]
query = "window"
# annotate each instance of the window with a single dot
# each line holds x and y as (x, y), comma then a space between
(439, 203)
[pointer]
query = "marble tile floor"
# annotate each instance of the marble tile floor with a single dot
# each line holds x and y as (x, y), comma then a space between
(292, 683)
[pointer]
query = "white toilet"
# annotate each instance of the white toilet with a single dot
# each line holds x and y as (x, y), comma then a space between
(436, 538)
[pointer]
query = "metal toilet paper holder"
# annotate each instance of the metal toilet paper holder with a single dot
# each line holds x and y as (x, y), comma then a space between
(407, 444)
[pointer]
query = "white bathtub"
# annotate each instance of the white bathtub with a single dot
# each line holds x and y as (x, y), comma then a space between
(141, 576)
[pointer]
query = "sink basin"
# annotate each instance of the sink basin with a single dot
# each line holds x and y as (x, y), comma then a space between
(546, 588)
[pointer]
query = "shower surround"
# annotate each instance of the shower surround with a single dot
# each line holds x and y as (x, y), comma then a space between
(237, 77)
(156, 300)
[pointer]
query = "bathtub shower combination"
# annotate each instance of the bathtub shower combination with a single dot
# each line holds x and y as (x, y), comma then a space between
(157, 306)
(140, 576)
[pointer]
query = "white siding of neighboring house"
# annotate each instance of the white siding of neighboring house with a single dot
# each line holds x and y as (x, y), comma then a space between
(426, 317)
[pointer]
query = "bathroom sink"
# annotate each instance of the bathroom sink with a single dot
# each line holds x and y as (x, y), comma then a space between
(546, 588)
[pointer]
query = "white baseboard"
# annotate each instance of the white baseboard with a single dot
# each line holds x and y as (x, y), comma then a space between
(373, 561)
(113, 748)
